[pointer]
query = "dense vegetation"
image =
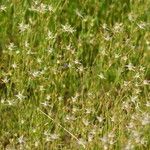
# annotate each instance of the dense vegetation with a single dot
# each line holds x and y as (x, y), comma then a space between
(75, 74)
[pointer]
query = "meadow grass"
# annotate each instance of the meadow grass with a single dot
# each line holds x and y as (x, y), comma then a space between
(75, 74)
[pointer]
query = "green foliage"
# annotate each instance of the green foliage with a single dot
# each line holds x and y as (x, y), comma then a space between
(75, 74)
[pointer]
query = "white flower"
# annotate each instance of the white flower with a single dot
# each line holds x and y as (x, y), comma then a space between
(137, 75)
(5, 80)
(70, 118)
(130, 67)
(11, 46)
(145, 120)
(14, 65)
(107, 37)
(50, 8)
(118, 27)
(3, 8)
(101, 75)
(82, 142)
(146, 82)
(36, 144)
(21, 140)
(100, 119)
(85, 122)
(90, 137)
(105, 139)
(23, 27)
(20, 96)
(129, 146)
(10, 102)
(141, 25)
(35, 73)
(134, 99)
(54, 136)
(148, 104)
(45, 103)
(68, 28)
(50, 35)
(48, 97)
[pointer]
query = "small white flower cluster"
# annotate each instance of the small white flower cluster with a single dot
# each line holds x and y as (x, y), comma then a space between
(23, 27)
(3, 8)
(41, 7)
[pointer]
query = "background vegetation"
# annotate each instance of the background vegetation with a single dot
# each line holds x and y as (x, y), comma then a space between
(75, 74)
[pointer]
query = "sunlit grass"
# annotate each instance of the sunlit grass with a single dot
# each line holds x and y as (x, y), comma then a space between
(75, 74)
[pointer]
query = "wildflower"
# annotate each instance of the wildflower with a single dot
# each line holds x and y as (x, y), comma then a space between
(117, 56)
(23, 27)
(14, 65)
(137, 75)
(22, 121)
(5, 80)
(74, 99)
(145, 120)
(88, 110)
(50, 50)
(104, 139)
(101, 75)
(134, 99)
(26, 44)
(141, 25)
(130, 67)
(70, 118)
(103, 52)
(3, 8)
(90, 137)
(77, 62)
(48, 97)
(36, 144)
(136, 135)
(107, 37)
(129, 146)
(52, 137)
(20, 96)
(104, 26)
(45, 104)
(118, 27)
(137, 91)
(10, 102)
(21, 140)
(81, 69)
(41, 88)
(131, 17)
(60, 98)
(2, 101)
(100, 119)
(148, 104)
(131, 125)
(142, 69)
(124, 58)
(146, 82)
(11, 46)
(125, 105)
(85, 122)
(113, 118)
(143, 141)
(67, 28)
(39, 60)
(50, 35)
(82, 142)
(35, 73)
(50, 8)
(42, 8)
